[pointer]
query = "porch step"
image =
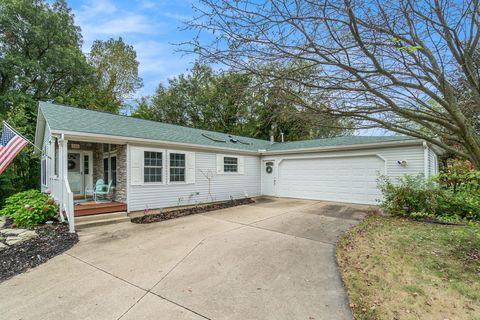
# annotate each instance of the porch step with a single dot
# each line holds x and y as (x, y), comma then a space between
(101, 219)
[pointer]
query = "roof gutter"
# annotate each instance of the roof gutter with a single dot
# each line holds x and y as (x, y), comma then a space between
(346, 147)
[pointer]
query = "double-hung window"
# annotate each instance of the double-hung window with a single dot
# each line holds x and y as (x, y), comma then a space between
(152, 166)
(230, 164)
(177, 167)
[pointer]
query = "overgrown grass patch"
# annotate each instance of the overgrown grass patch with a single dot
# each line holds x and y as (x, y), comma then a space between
(402, 269)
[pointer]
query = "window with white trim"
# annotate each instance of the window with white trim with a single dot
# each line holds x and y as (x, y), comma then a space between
(44, 170)
(152, 166)
(177, 167)
(230, 164)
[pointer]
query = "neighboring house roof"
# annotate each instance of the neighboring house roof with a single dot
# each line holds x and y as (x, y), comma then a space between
(64, 118)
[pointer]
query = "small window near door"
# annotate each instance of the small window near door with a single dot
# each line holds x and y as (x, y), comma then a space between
(152, 166)
(230, 164)
(177, 167)
(113, 169)
(86, 164)
(105, 169)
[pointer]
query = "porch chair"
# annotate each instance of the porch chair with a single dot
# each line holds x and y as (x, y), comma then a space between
(103, 190)
(90, 190)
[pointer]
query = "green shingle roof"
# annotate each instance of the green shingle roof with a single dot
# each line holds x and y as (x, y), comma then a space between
(88, 121)
(334, 142)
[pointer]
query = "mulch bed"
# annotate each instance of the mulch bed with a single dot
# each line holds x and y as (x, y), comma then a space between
(162, 216)
(51, 241)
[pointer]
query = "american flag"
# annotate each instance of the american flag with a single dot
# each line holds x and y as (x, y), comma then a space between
(10, 145)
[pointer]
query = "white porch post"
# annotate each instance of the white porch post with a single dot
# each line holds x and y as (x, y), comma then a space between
(67, 196)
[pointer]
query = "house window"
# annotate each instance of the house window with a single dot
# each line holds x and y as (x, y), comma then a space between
(44, 171)
(177, 167)
(152, 166)
(110, 163)
(230, 164)
(55, 158)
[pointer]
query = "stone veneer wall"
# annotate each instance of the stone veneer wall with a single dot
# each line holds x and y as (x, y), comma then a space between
(97, 162)
(121, 188)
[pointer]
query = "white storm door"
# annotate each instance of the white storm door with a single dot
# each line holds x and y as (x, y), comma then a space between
(269, 179)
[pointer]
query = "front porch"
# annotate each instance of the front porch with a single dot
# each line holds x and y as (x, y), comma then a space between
(74, 168)
(89, 162)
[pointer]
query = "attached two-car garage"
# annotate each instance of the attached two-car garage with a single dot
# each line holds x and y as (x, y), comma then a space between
(343, 179)
(342, 173)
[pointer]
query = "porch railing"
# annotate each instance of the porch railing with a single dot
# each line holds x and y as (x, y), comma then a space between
(67, 204)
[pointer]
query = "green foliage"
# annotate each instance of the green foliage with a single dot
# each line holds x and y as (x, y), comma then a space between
(24, 171)
(453, 195)
(41, 55)
(114, 77)
(29, 208)
(40, 59)
(237, 103)
(408, 195)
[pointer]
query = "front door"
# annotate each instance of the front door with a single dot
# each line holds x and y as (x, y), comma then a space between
(80, 171)
(269, 179)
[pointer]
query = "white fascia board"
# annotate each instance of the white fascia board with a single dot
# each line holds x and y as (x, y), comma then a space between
(103, 138)
(397, 143)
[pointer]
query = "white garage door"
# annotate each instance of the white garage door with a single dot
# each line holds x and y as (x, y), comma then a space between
(343, 179)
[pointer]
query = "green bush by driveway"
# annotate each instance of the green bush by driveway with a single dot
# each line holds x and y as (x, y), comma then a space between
(29, 208)
(453, 195)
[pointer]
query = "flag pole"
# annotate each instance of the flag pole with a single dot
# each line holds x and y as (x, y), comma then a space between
(10, 127)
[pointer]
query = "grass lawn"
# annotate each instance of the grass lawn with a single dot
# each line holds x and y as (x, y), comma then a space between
(401, 269)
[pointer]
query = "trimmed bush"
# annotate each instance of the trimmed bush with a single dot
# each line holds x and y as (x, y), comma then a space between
(453, 195)
(29, 208)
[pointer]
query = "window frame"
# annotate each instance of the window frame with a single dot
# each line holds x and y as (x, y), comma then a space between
(230, 164)
(170, 167)
(162, 167)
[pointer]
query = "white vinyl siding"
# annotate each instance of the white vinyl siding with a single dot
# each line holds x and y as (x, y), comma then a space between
(432, 163)
(196, 190)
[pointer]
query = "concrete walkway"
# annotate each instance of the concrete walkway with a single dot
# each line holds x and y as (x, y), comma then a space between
(274, 259)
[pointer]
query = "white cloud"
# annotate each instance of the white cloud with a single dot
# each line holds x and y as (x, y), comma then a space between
(149, 27)
(128, 24)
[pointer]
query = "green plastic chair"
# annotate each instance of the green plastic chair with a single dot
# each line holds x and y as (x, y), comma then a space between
(91, 189)
(102, 190)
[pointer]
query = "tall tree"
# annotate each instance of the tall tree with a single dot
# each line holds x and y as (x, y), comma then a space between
(235, 103)
(40, 59)
(390, 64)
(113, 80)
(40, 56)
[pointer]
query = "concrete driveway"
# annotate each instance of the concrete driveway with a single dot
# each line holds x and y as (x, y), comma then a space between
(274, 259)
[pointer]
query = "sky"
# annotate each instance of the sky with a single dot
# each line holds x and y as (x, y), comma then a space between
(151, 27)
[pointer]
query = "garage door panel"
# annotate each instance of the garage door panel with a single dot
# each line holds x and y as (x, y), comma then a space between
(352, 179)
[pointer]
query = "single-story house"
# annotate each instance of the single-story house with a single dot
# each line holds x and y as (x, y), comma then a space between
(156, 165)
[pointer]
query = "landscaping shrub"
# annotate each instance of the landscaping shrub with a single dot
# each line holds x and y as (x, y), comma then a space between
(29, 208)
(453, 195)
